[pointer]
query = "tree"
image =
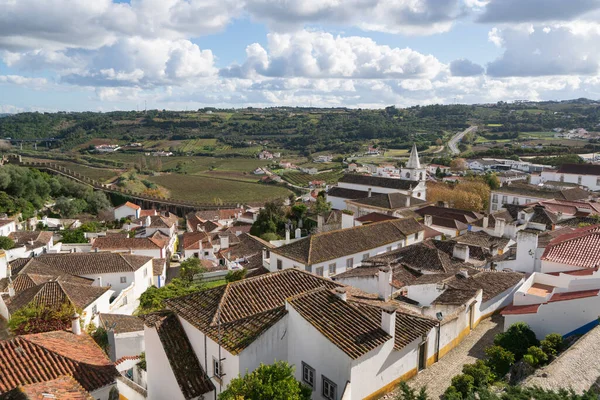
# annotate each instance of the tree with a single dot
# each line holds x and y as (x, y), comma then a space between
(68, 208)
(463, 384)
(73, 236)
(458, 165)
(535, 356)
(408, 393)
(491, 179)
(237, 275)
(274, 382)
(98, 202)
(6, 243)
(153, 298)
(270, 219)
(552, 344)
(481, 373)
(299, 211)
(190, 268)
(499, 360)
(517, 339)
(321, 205)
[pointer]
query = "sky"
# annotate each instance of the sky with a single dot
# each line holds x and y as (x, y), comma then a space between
(105, 55)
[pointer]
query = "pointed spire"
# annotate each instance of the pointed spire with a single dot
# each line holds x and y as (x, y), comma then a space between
(413, 160)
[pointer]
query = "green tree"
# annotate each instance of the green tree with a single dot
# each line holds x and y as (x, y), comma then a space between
(97, 202)
(274, 382)
(464, 384)
(153, 298)
(73, 236)
(499, 360)
(552, 344)
(6, 243)
(517, 339)
(492, 180)
(481, 373)
(190, 268)
(270, 219)
(68, 208)
(237, 275)
(535, 356)
(408, 393)
(321, 205)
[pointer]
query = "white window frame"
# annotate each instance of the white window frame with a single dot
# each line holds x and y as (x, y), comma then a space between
(217, 368)
(320, 271)
(349, 263)
(123, 279)
(328, 388)
(332, 268)
(279, 263)
(365, 256)
(308, 375)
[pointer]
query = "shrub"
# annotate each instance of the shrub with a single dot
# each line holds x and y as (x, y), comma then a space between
(552, 344)
(517, 339)
(499, 360)
(6, 243)
(535, 356)
(237, 275)
(481, 373)
(464, 384)
(452, 394)
(408, 393)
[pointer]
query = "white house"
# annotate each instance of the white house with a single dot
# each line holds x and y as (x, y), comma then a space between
(30, 243)
(396, 204)
(329, 253)
(155, 247)
(125, 335)
(394, 344)
(7, 226)
(519, 194)
(587, 175)
(383, 185)
(127, 210)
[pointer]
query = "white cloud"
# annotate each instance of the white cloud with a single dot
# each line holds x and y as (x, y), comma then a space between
(23, 81)
(519, 11)
(322, 55)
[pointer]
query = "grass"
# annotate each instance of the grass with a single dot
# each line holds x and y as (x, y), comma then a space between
(215, 191)
(99, 174)
(536, 135)
(213, 284)
(495, 125)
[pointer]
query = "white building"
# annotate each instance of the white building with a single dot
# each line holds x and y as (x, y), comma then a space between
(7, 226)
(519, 194)
(125, 335)
(396, 204)
(127, 210)
(587, 175)
(155, 247)
(329, 253)
(394, 344)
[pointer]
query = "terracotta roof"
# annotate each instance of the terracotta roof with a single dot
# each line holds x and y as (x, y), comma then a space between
(192, 240)
(45, 356)
(516, 310)
(17, 264)
(343, 325)
(93, 263)
(344, 193)
(121, 323)
(158, 266)
(117, 243)
(477, 255)
(431, 233)
(573, 295)
(464, 216)
(326, 246)
(5, 221)
(63, 388)
(26, 280)
(245, 308)
(146, 213)
(390, 201)
(376, 181)
(130, 205)
(161, 221)
(186, 367)
(579, 169)
(54, 294)
(456, 297)
(580, 248)
(401, 275)
(408, 326)
(536, 192)
(25, 238)
(482, 239)
(375, 217)
(448, 223)
(423, 256)
(249, 250)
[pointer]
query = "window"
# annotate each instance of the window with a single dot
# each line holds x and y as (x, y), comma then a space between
(94, 309)
(495, 198)
(597, 181)
(504, 199)
(123, 279)
(579, 180)
(279, 264)
(308, 375)
(494, 207)
(516, 200)
(125, 301)
(320, 271)
(309, 268)
(145, 273)
(349, 263)
(527, 201)
(389, 248)
(217, 368)
(365, 256)
(329, 389)
(332, 268)
(562, 178)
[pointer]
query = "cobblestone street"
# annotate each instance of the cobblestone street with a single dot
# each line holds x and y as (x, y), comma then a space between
(437, 377)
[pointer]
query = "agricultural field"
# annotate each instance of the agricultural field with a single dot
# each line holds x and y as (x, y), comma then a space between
(301, 179)
(99, 174)
(536, 135)
(211, 190)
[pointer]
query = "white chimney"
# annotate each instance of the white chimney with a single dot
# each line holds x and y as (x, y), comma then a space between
(499, 227)
(341, 293)
(461, 251)
(388, 320)
(369, 192)
(298, 233)
(384, 283)
(11, 289)
(464, 273)
(287, 236)
(486, 221)
(75, 326)
(224, 239)
(407, 201)
(148, 220)
(428, 220)
(99, 280)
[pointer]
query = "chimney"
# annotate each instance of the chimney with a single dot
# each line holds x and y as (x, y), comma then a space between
(486, 221)
(75, 326)
(461, 251)
(388, 319)
(369, 192)
(384, 283)
(99, 280)
(341, 293)
(464, 273)
(287, 236)
(499, 227)
(11, 288)
(224, 239)
(428, 220)
(297, 233)
(148, 220)
(407, 201)
(443, 204)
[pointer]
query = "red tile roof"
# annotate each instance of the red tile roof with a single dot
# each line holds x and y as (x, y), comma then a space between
(46, 356)
(130, 205)
(191, 240)
(375, 217)
(63, 388)
(526, 309)
(118, 243)
(580, 248)
(574, 295)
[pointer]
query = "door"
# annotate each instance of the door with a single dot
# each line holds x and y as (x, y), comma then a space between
(422, 356)
(471, 315)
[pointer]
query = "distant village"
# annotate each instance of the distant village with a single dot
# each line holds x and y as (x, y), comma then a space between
(377, 290)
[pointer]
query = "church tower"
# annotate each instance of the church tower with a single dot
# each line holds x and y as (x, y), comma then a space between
(413, 171)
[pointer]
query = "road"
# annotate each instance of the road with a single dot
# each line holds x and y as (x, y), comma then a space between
(453, 143)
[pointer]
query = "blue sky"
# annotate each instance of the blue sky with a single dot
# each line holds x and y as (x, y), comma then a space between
(185, 54)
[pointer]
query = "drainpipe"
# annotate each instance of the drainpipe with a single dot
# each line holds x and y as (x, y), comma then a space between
(437, 350)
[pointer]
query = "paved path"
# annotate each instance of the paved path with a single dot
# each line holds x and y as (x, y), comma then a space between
(437, 377)
(453, 142)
